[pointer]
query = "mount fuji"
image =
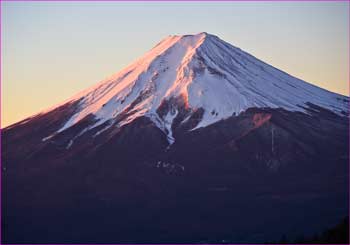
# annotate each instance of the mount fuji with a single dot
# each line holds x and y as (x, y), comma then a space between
(196, 141)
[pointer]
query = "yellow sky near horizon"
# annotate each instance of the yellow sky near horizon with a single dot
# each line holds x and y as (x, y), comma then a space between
(52, 50)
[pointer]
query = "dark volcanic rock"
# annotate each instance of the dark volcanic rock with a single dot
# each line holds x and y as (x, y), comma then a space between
(249, 178)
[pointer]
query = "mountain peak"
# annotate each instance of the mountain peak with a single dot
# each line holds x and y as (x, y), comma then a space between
(192, 40)
(197, 35)
(187, 73)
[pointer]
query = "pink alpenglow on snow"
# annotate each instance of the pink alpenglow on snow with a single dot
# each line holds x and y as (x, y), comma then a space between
(198, 71)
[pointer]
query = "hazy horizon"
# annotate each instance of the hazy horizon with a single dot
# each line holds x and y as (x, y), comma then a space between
(53, 50)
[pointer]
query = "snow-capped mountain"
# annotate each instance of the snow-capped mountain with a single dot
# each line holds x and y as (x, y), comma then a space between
(193, 72)
(195, 142)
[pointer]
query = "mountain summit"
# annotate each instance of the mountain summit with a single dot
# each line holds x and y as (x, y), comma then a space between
(184, 74)
(195, 142)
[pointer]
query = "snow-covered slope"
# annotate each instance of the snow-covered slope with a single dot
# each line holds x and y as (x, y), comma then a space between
(196, 71)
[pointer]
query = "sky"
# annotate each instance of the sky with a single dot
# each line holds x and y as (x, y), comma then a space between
(52, 50)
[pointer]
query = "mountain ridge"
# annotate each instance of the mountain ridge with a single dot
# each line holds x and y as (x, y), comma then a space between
(195, 72)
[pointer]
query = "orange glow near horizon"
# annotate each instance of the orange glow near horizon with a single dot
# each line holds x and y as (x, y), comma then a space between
(46, 59)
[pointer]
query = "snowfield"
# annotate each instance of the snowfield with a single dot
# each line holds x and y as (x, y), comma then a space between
(199, 71)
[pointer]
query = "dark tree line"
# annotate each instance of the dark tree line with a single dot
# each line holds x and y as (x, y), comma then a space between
(338, 234)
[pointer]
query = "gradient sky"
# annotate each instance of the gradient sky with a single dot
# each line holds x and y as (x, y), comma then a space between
(52, 50)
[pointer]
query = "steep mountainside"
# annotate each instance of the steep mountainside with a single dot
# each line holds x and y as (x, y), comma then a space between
(190, 73)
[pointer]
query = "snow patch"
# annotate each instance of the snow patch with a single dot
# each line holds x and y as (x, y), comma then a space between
(168, 121)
